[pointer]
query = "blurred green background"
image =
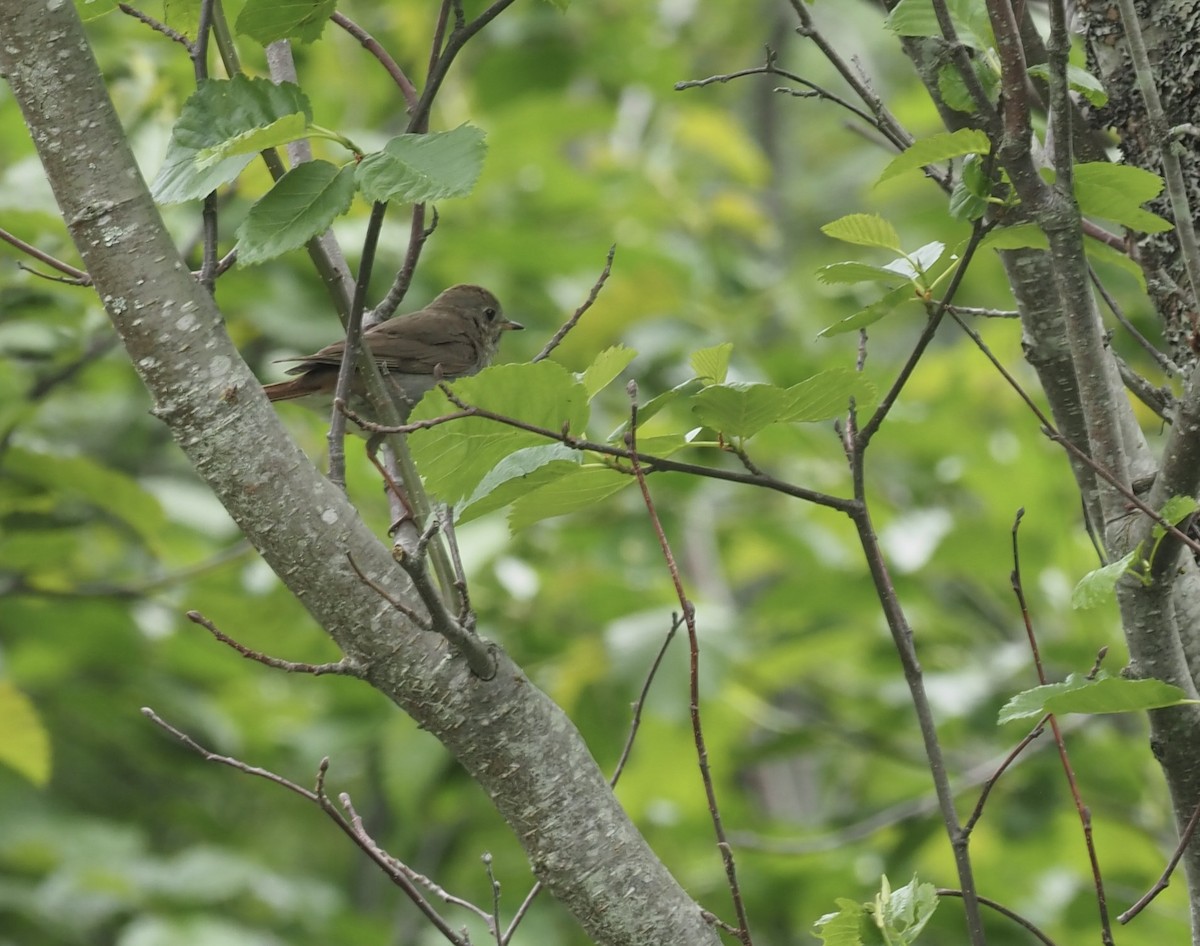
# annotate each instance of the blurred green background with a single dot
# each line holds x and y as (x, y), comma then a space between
(714, 197)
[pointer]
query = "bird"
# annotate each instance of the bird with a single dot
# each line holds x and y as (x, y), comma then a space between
(456, 335)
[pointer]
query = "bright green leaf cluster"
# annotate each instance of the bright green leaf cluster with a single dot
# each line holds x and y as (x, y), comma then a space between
(226, 122)
(899, 916)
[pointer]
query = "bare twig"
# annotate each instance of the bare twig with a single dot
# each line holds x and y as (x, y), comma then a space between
(587, 304)
(1085, 815)
(418, 619)
(371, 45)
(689, 619)
(343, 667)
(397, 872)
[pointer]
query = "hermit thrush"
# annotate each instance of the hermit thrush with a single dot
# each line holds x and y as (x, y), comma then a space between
(455, 335)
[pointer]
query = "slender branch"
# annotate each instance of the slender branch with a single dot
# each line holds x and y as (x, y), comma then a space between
(1003, 911)
(872, 425)
(341, 667)
(156, 25)
(1085, 815)
(78, 275)
(1164, 879)
(394, 869)
(371, 45)
(558, 336)
(648, 461)
(689, 618)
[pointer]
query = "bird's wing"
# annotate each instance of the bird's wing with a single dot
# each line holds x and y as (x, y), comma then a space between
(427, 344)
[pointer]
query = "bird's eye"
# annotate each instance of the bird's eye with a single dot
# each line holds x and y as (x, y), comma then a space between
(489, 313)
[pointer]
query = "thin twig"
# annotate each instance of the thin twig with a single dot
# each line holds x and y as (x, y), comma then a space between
(689, 619)
(343, 667)
(418, 619)
(587, 304)
(78, 275)
(1164, 879)
(155, 25)
(652, 463)
(1085, 815)
(371, 45)
(396, 871)
(1003, 911)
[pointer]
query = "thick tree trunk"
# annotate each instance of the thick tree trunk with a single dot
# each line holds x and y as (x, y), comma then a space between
(511, 738)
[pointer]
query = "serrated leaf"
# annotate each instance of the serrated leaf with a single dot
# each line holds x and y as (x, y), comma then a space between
(1116, 192)
(1099, 586)
(842, 927)
(218, 112)
(936, 149)
(850, 272)
(827, 395)
(455, 457)
(267, 21)
(302, 204)
(903, 912)
(872, 313)
(740, 409)
(583, 489)
(280, 132)
(1078, 80)
(24, 742)
(864, 230)
(417, 168)
(517, 475)
(1104, 694)
(712, 364)
(605, 367)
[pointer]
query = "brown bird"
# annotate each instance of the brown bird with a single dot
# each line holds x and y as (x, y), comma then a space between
(457, 334)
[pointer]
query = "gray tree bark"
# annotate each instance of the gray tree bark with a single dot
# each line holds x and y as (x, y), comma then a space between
(511, 738)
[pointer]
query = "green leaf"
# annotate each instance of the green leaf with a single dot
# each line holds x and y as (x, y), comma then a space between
(712, 364)
(455, 457)
(1174, 511)
(219, 112)
(969, 199)
(1078, 80)
(1099, 586)
(1104, 694)
(739, 409)
(827, 395)
(605, 367)
(269, 20)
(1116, 192)
(913, 266)
(517, 475)
(24, 742)
(864, 230)
(872, 313)
(1022, 236)
(582, 489)
(917, 18)
(302, 204)
(843, 927)
(903, 913)
(850, 272)
(416, 168)
(935, 149)
(280, 132)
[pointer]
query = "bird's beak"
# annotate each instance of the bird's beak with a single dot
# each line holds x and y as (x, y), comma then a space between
(511, 326)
